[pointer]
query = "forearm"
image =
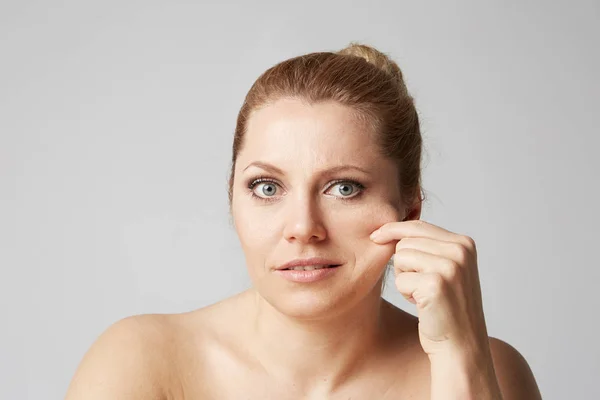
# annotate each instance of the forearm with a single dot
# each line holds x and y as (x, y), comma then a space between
(464, 375)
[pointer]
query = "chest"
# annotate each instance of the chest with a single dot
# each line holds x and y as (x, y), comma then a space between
(222, 379)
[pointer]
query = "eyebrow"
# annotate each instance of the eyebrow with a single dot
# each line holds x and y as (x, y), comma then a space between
(338, 168)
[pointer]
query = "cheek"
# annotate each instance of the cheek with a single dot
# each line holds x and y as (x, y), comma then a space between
(364, 220)
(355, 231)
(254, 229)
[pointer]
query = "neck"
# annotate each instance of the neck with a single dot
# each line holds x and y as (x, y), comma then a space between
(317, 354)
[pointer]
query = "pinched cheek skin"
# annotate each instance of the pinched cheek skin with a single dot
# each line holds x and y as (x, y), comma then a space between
(355, 229)
(368, 219)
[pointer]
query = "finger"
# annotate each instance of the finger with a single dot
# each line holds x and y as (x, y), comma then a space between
(408, 283)
(425, 289)
(451, 250)
(411, 260)
(419, 228)
(376, 255)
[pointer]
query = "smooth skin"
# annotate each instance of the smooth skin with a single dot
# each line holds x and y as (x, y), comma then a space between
(323, 188)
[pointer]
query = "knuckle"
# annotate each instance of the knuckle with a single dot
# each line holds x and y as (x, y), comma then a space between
(436, 284)
(451, 270)
(462, 254)
(469, 243)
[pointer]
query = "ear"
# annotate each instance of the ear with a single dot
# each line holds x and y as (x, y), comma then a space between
(414, 212)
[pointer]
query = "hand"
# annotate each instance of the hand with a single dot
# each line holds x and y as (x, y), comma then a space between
(437, 271)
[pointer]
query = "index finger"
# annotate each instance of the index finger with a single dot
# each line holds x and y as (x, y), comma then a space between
(415, 228)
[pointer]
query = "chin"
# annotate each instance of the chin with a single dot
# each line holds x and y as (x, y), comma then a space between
(315, 303)
(307, 305)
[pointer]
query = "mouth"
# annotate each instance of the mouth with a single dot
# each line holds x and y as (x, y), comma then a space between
(306, 274)
(310, 267)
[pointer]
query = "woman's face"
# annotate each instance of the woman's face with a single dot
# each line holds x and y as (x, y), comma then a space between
(304, 208)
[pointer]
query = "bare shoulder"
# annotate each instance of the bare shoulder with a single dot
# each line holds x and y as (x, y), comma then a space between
(513, 372)
(152, 356)
(131, 359)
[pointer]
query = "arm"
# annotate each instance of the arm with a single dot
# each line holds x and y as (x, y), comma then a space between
(437, 271)
(121, 364)
(497, 373)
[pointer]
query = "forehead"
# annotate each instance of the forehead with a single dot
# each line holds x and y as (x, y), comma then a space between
(322, 131)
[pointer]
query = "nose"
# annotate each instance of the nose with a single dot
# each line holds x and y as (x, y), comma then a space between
(303, 220)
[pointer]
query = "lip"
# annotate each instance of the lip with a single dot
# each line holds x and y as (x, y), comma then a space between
(307, 276)
(302, 262)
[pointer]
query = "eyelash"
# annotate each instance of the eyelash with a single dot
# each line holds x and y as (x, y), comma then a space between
(262, 179)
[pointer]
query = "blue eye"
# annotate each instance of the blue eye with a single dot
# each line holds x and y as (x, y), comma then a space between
(268, 188)
(348, 189)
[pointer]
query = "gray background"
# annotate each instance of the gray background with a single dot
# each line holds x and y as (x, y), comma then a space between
(116, 121)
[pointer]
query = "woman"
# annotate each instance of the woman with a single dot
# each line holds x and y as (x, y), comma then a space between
(325, 188)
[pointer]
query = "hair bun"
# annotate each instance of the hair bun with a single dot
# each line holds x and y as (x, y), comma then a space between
(375, 57)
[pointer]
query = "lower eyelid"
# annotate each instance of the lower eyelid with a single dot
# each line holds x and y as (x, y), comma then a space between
(274, 198)
(256, 182)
